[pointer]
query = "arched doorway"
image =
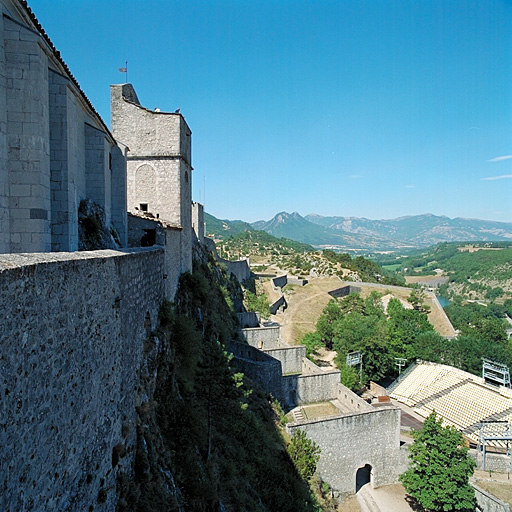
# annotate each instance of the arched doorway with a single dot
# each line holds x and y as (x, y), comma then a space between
(363, 476)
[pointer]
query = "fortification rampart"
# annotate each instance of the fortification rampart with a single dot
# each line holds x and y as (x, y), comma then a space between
(351, 441)
(486, 502)
(54, 148)
(260, 367)
(310, 388)
(264, 337)
(344, 291)
(248, 319)
(291, 357)
(71, 345)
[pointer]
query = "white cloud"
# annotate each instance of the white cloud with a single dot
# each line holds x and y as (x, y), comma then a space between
(500, 158)
(502, 177)
(355, 176)
(410, 186)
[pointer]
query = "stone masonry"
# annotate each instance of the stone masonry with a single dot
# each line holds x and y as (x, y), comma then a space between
(70, 357)
(54, 148)
(159, 169)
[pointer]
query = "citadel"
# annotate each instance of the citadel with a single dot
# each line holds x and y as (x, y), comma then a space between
(96, 226)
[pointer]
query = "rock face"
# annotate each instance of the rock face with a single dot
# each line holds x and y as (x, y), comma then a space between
(93, 233)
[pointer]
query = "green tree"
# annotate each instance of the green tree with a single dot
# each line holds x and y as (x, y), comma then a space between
(304, 453)
(440, 469)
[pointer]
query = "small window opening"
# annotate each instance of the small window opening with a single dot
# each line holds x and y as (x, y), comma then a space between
(143, 207)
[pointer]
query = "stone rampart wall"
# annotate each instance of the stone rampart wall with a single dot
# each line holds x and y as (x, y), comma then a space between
(262, 337)
(71, 344)
(351, 441)
(486, 502)
(239, 268)
(350, 400)
(296, 281)
(55, 150)
(290, 357)
(344, 291)
(248, 319)
(279, 282)
(260, 367)
(304, 389)
(280, 302)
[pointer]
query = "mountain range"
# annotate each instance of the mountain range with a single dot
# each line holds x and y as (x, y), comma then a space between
(353, 233)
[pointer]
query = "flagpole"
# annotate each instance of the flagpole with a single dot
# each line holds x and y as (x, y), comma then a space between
(126, 72)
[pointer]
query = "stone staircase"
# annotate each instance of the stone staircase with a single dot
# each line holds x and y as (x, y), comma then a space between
(298, 415)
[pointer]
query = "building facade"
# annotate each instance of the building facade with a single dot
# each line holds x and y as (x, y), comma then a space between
(55, 150)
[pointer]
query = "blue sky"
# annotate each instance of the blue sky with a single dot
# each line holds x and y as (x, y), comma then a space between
(363, 108)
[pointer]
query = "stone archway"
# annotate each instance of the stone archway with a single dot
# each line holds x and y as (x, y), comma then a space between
(363, 476)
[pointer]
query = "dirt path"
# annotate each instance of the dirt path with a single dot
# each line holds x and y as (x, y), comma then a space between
(305, 305)
(390, 498)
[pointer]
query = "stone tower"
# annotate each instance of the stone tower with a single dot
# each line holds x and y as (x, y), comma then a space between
(159, 170)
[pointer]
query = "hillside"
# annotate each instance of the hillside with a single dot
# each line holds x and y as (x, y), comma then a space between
(269, 254)
(419, 230)
(209, 440)
(222, 228)
(296, 227)
(478, 271)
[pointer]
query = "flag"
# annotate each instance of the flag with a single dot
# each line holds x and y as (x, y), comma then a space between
(122, 70)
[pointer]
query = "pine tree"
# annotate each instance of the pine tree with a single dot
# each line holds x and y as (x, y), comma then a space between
(440, 469)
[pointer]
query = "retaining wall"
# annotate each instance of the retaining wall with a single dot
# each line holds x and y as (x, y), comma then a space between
(486, 502)
(304, 389)
(279, 282)
(290, 357)
(262, 337)
(71, 344)
(351, 441)
(260, 367)
(248, 319)
(277, 304)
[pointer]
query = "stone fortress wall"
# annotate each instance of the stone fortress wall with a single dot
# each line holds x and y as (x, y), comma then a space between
(358, 435)
(74, 346)
(72, 354)
(54, 148)
(159, 169)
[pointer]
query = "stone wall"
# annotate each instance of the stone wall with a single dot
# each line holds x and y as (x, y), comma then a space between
(349, 400)
(159, 167)
(5, 242)
(257, 365)
(290, 357)
(248, 319)
(486, 502)
(48, 145)
(280, 302)
(351, 441)
(239, 268)
(344, 291)
(198, 221)
(71, 344)
(262, 337)
(310, 388)
(279, 282)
